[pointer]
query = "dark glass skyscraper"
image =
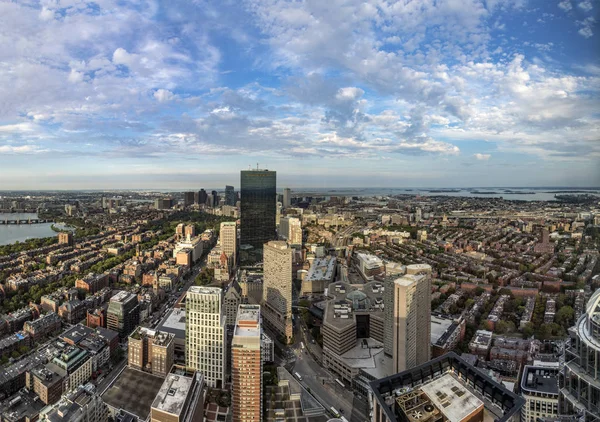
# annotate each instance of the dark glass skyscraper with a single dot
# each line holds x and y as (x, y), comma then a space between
(230, 198)
(258, 194)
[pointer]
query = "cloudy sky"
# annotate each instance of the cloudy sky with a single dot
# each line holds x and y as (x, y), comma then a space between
(380, 93)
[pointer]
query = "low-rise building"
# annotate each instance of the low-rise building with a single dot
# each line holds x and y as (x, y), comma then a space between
(152, 351)
(320, 275)
(180, 398)
(79, 405)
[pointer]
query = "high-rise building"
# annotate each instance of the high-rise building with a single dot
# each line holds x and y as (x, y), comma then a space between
(277, 287)
(188, 198)
(123, 313)
(213, 199)
(418, 215)
(179, 398)
(258, 194)
(539, 388)
(579, 379)
(287, 197)
(151, 350)
(290, 229)
(200, 197)
(246, 365)
(205, 334)
(163, 203)
(228, 239)
(412, 318)
(230, 196)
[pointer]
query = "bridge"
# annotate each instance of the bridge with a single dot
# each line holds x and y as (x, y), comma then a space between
(27, 221)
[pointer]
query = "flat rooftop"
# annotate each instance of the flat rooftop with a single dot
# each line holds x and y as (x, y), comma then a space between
(408, 279)
(174, 323)
(205, 290)
(438, 327)
(247, 321)
(451, 398)
(173, 393)
(122, 296)
(321, 269)
(540, 379)
(134, 392)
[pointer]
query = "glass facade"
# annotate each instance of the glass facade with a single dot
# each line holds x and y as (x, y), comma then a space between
(580, 378)
(258, 207)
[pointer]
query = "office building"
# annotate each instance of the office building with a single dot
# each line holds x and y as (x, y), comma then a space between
(79, 405)
(539, 388)
(258, 207)
(123, 313)
(228, 240)
(246, 365)
(287, 198)
(230, 196)
(188, 198)
(320, 275)
(412, 318)
(151, 351)
(205, 334)
(65, 238)
(213, 199)
(290, 229)
(195, 244)
(445, 389)
(353, 332)
(46, 383)
(201, 197)
(179, 398)
(277, 288)
(369, 266)
(580, 376)
(76, 363)
(164, 203)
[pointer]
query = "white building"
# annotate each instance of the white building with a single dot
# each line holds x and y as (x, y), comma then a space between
(228, 240)
(193, 243)
(290, 229)
(277, 287)
(205, 334)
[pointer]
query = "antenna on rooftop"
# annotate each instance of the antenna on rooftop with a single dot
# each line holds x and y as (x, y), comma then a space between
(256, 166)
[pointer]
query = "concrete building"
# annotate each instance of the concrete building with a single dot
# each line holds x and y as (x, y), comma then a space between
(277, 288)
(188, 198)
(174, 323)
(77, 363)
(180, 398)
(580, 375)
(205, 334)
(228, 240)
(412, 318)
(193, 243)
(47, 383)
(290, 229)
(80, 405)
(446, 388)
(258, 207)
(353, 332)
(151, 351)
(369, 266)
(267, 348)
(320, 274)
(539, 388)
(246, 365)
(123, 313)
(287, 197)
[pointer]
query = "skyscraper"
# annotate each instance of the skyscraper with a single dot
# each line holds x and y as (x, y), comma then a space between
(258, 194)
(287, 197)
(205, 334)
(228, 238)
(246, 365)
(188, 198)
(412, 318)
(202, 197)
(290, 229)
(230, 197)
(277, 287)
(123, 313)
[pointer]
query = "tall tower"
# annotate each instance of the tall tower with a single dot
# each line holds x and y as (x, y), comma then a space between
(258, 194)
(230, 198)
(277, 287)
(246, 365)
(228, 237)
(287, 197)
(412, 318)
(205, 334)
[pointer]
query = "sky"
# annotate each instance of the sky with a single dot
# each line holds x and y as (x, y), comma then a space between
(366, 93)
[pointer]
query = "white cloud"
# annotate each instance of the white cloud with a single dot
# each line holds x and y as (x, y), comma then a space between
(22, 149)
(163, 95)
(565, 5)
(586, 6)
(482, 157)
(349, 93)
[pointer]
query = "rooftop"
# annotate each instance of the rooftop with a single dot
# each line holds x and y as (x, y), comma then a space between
(439, 326)
(173, 394)
(540, 379)
(174, 323)
(205, 290)
(122, 296)
(248, 321)
(451, 398)
(134, 392)
(321, 269)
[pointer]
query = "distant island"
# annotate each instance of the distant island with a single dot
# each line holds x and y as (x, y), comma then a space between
(443, 190)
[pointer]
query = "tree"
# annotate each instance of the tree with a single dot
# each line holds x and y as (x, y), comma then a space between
(528, 330)
(565, 316)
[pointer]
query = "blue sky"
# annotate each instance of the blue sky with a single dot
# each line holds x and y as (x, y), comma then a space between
(184, 94)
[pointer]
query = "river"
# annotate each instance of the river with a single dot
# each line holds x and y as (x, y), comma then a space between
(11, 233)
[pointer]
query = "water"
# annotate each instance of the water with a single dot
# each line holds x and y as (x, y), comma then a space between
(12, 233)
(519, 194)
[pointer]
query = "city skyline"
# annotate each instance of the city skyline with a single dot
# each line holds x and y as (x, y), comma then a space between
(107, 95)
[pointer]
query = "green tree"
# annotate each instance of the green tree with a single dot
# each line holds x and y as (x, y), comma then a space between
(565, 316)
